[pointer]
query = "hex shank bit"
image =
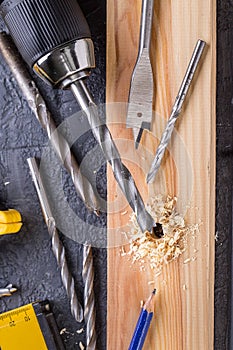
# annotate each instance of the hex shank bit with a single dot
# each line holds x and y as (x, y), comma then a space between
(57, 246)
(109, 149)
(176, 109)
(38, 107)
(89, 298)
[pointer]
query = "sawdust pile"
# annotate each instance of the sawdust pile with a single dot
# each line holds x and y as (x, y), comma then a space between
(159, 252)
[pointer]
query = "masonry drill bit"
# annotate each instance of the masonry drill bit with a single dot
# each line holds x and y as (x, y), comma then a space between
(57, 246)
(38, 107)
(121, 173)
(89, 298)
(7, 291)
(176, 109)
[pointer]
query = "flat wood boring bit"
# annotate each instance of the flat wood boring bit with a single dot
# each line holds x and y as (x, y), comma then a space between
(140, 107)
(57, 246)
(57, 45)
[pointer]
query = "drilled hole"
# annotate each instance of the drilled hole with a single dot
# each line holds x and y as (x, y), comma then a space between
(158, 230)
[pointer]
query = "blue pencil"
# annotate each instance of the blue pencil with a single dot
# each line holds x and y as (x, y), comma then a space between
(142, 325)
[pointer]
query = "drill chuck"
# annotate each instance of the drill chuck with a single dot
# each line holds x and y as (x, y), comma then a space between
(53, 37)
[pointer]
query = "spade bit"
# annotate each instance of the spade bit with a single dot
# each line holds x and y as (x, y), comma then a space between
(139, 115)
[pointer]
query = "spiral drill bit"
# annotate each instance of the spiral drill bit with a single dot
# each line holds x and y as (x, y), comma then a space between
(38, 107)
(109, 149)
(89, 298)
(57, 246)
(176, 109)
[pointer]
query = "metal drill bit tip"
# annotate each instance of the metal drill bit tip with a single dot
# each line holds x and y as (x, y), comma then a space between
(138, 138)
(7, 291)
(138, 134)
(176, 109)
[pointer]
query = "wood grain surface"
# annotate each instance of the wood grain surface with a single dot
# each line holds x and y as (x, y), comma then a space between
(184, 305)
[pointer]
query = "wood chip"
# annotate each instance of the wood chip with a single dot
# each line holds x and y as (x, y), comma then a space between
(81, 346)
(62, 331)
(159, 252)
(151, 282)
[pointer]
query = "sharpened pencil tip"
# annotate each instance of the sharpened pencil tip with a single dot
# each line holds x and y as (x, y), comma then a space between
(154, 292)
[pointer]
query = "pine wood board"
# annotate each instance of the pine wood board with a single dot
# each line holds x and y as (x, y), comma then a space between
(184, 307)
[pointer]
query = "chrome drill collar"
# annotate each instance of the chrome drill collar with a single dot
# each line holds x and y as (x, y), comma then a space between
(67, 64)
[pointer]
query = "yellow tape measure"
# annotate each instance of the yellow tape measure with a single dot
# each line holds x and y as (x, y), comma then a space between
(30, 327)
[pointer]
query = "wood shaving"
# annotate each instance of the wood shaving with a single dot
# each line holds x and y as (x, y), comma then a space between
(151, 282)
(62, 331)
(81, 346)
(79, 331)
(168, 248)
(123, 252)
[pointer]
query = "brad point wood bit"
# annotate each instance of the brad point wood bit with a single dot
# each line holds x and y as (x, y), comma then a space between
(57, 246)
(176, 109)
(89, 298)
(38, 107)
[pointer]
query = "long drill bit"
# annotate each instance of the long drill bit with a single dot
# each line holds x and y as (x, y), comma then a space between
(89, 298)
(57, 246)
(121, 173)
(38, 107)
(176, 109)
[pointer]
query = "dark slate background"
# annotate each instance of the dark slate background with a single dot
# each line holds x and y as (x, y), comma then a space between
(223, 290)
(26, 259)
